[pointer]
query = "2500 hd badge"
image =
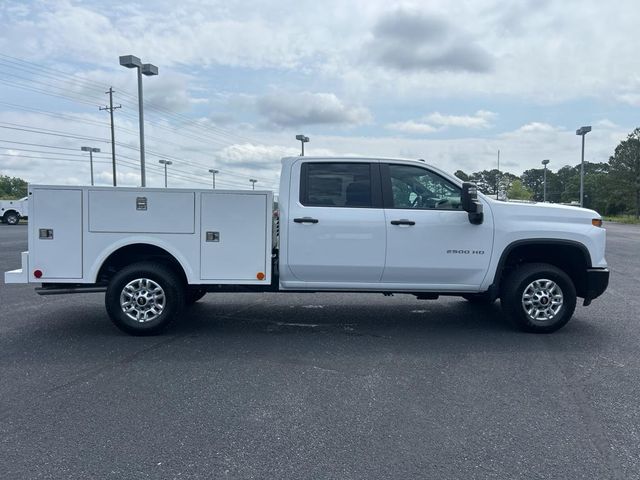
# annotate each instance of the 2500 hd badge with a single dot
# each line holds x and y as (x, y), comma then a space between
(466, 252)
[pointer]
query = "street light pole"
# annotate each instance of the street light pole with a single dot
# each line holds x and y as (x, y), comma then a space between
(582, 131)
(302, 140)
(545, 163)
(253, 183)
(131, 61)
(91, 151)
(213, 172)
(165, 163)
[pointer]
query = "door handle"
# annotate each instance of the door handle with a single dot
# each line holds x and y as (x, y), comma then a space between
(305, 220)
(402, 221)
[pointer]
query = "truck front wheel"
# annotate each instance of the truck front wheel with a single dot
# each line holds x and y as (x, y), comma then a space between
(11, 218)
(144, 298)
(538, 298)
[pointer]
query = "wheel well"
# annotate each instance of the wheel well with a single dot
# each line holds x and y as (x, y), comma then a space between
(573, 259)
(138, 252)
(11, 211)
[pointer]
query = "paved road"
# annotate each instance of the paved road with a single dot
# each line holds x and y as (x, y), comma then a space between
(320, 386)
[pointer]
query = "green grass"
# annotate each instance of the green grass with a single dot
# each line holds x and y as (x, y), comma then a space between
(623, 219)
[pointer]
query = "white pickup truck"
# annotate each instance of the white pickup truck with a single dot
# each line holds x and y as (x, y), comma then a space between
(11, 211)
(344, 225)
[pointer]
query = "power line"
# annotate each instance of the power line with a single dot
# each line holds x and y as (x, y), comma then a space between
(83, 100)
(38, 145)
(50, 158)
(30, 67)
(44, 151)
(19, 127)
(15, 62)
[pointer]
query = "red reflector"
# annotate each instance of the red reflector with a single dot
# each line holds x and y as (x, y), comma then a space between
(37, 273)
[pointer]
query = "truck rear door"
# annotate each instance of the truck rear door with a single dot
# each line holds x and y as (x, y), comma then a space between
(336, 229)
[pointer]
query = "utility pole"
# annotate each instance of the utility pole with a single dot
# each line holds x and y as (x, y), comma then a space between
(110, 109)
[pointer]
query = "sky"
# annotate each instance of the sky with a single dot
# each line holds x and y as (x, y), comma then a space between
(448, 82)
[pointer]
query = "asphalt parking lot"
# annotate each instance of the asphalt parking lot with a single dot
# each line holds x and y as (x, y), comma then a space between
(320, 386)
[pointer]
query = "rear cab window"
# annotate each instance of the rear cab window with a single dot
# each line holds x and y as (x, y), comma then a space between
(339, 184)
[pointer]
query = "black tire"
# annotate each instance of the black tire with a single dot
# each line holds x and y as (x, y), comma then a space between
(479, 298)
(551, 282)
(11, 218)
(193, 295)
(163, 309)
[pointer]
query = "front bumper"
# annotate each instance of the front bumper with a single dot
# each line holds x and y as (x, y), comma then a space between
(597, 282)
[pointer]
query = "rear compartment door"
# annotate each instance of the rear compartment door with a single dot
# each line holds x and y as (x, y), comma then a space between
(58, 251)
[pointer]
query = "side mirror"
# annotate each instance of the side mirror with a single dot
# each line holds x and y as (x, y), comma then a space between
(470, 203)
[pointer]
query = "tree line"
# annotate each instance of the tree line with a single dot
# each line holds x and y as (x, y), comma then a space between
(12, 188)
(611, 188)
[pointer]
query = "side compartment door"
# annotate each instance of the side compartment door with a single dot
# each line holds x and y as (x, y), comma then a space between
(336, 230)
(233, 236)
(429, 238)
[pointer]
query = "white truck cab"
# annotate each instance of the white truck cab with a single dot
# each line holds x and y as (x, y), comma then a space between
(344, 224)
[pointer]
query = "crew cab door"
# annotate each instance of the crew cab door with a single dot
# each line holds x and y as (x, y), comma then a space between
(430, 240)
(335, 223)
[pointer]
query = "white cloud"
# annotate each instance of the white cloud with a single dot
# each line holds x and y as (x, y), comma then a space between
(536, 127)
(306, 108)
(481, 119)
(436, 121)
(411, 126)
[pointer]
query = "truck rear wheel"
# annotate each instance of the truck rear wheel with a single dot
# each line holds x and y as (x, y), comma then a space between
(144, 298)
(538, 298)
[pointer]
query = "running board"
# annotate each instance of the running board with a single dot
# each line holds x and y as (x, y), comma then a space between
(65, 290)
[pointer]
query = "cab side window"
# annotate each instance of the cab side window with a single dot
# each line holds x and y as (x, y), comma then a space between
(336, 184)
(418, 188)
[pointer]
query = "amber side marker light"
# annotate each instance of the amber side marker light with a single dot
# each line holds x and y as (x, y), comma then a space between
(596, 222)
(260, 276)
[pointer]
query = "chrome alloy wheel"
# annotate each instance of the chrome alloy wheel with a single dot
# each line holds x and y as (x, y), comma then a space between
(542, 300)
(142, 300)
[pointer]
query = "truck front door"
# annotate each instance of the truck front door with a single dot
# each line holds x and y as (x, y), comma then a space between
(336, 223)
(430, 241)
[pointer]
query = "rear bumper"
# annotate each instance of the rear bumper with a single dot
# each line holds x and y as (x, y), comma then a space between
(20, 275)
(597, 282)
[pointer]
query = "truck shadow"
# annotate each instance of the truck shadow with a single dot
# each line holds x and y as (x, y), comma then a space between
(221, 326)
(448, 323)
